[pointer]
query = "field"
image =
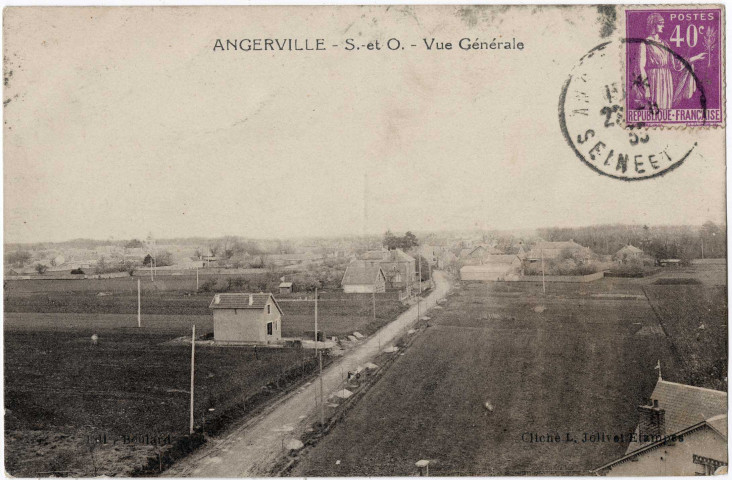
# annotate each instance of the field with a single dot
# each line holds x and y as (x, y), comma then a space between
(62, 393)
(695, 318)
(576, 362)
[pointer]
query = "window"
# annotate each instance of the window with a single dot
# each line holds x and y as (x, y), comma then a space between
(269, 328)
(269, 309)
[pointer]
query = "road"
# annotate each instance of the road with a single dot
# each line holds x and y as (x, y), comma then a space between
(253, 448)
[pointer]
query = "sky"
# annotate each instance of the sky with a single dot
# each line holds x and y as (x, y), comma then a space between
(123, 122)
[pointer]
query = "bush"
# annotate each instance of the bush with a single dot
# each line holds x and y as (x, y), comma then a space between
(209, 285)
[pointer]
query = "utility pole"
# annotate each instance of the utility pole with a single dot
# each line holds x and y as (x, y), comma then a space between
(702, 241)
(139, 323)
(322, 404)
(316, 320)
(196, 278)
(419, 259)
(378, 333)
(193, 364)
(543, 283)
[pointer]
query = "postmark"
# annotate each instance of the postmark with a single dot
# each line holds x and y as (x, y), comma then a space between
(673, 67)
(591, 117)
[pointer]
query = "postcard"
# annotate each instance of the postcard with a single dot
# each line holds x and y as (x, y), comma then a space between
(383, 240)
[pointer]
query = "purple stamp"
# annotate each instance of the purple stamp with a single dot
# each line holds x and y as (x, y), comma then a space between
(673, 74)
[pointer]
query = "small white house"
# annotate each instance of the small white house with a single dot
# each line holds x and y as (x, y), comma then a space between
(494, 268)
(364, 277)
(246, 318)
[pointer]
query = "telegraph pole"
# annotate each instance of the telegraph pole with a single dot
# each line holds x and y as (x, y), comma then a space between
(419, 259)
(322, 404)
(139, 323)
(543, 283)
(378, 333)
(316, 320)
(196, 278)
(702, 242)
(193, 364)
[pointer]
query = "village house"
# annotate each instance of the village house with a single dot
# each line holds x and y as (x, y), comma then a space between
(628, 253)
(494, 268)
(363, 277)
(681, 431)
(399, 268)
(552, 250)
(431, 253)
(480, 252)
(252, 318)
(285, 288)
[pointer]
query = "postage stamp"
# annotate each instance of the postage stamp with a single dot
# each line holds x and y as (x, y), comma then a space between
(591, 118)
(673, 67)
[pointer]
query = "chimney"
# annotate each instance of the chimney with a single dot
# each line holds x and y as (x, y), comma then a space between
(651, 423)
(251, 299)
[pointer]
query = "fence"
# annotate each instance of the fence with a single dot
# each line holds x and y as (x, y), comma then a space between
(558, 278)
(66, 276)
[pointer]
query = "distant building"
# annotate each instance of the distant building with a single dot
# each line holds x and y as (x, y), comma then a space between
(285, 287)
(682, 431)
(246, 318)
(364, 277)
(669, 262)
(552, 250)
(628, 253)
(494, 268)
(399, 268)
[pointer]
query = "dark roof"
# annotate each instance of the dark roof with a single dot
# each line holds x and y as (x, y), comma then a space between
(359, 272)
(629, 249)
(374, 255)
(241, 300)
(686, 405)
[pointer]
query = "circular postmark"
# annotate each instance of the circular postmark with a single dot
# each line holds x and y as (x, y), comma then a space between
(591, 116)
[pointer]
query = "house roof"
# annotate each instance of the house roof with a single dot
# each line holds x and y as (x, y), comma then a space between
(388, 256)
(571, 244)
(499, 259)
(242, 300)
(373, 255)
(502, 264)
(630, 249)
(360, 272)
(487, 250)
(717, 423)
(686, 405)
(285, 284)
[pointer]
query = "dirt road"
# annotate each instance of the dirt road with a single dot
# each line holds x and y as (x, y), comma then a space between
(253, 449)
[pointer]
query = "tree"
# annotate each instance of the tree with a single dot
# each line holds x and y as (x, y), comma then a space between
(425, 268)
(134, 243)
(390, 241)
(164, 259)
(147, 261)
(18, 258)
(41, 268)
(409, 240)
